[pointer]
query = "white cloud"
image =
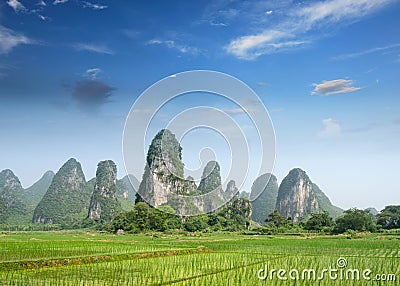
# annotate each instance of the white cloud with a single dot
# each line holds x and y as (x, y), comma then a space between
(10, 39)
(93, 72)
(366, 52)
(16, 5)
(332, 128)
(94, 6)
(333, 87)
(269, 12)
(250, 47)
(299, 24)
(101, 49)
(56, 2)
(44, 18)
(20, 8)
(216, 15)
(173, 45)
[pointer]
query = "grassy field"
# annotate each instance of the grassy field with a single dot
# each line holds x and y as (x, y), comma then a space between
(81, 258)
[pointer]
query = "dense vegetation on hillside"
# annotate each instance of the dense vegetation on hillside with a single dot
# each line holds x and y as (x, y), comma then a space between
(13, 207)
(165, 146)
(265, 192)
(66, 201)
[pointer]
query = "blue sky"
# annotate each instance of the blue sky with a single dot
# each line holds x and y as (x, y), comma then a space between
(327, 71)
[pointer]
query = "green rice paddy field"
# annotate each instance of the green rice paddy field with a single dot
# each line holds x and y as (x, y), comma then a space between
(83, 258)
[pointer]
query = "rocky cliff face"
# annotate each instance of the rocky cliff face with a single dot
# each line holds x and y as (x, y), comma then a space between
(296, 198)
(163, 174)
(264, 193)
(190, 185)
(67, 199)
(11, 196)
(163, 182)
(103, 204)
(231, 191)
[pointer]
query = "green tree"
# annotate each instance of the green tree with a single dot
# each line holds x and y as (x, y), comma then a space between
(319, 222)
(355, 219)
(196, 223)
(389, 218)
(275, 219)
(141, 216)
(3, 211)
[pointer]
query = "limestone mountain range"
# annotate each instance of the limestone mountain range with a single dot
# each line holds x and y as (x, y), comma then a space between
(67, 198)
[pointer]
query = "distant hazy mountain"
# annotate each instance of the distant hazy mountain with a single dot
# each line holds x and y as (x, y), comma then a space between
(372, 211)
(125, 189)
(244, 195)
(298, 197)
(35, 193)
(210, 184)
(231, 191)
(126, 193)
(67, 198)
(325, 203)
(265, 190)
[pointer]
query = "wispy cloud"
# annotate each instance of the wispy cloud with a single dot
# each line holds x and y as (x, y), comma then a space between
(10, 39)
(101, 49)
(16, 5)
(173, 45)
(56, 2)
(93, 72)
(94, 6)
(41, 3)
(219, 17)
(294, 30)
(332, 128)
(42, 17)
(20, 8)
(366, 52)
(333, 87)
(251, 47)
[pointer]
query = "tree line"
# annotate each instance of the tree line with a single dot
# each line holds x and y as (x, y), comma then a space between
(352, 220)
(146, 218)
